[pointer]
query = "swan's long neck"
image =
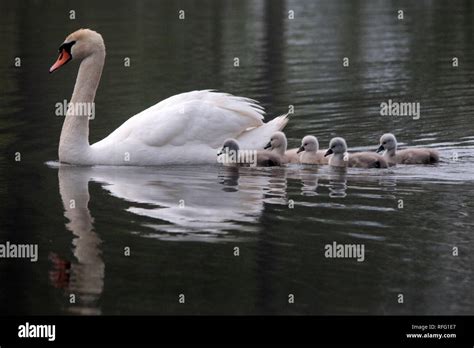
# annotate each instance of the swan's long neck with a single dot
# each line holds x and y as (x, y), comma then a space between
(74, 141)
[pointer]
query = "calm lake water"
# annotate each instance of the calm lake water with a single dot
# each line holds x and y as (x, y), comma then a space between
(190, 250)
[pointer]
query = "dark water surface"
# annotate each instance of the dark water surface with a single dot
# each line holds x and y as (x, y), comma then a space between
(190, 250)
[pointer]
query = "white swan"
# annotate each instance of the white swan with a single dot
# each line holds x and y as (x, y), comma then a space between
(185, 128)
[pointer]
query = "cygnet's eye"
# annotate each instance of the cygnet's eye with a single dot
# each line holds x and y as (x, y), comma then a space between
(305, 144)
(384, 143)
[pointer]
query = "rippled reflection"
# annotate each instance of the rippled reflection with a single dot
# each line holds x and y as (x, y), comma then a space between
(84, 277)
(309, 181)
(177, 204)
(338, 183)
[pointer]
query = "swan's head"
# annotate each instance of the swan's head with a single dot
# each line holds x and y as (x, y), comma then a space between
(79, 45)
(387, 142)
(228, 146)
(336, 146)
(277, 142)
(309, 143)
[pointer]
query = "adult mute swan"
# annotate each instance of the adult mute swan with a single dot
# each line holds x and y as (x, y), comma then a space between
(184, 129)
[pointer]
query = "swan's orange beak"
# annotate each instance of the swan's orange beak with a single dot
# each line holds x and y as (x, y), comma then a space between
(63, 58)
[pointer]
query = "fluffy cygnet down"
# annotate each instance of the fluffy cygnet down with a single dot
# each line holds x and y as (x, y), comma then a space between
(309, 151)
(231, 155)
(341, 158)
(388, 144)
(278, 144)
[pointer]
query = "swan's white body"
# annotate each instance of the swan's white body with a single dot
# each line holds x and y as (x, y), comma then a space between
(186, 128)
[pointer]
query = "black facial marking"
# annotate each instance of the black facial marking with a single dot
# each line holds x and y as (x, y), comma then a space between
(66, 46)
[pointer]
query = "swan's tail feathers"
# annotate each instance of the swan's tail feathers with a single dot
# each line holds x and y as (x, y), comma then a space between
(258, 137)
(282, 121)
(244, 106)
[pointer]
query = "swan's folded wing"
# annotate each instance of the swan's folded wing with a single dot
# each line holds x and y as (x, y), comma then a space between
(199, 117)
(246, 106)
(258, 137)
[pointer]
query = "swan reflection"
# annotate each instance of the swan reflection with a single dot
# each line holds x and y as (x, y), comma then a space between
(309, 180)
(174, 203)
(205, 204)
(337, 182)
(83, 278)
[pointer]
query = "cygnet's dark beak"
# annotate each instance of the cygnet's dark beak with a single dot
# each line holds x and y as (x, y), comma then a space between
(328, 152)
(301, 149)
(380, 149)
(269, 145)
